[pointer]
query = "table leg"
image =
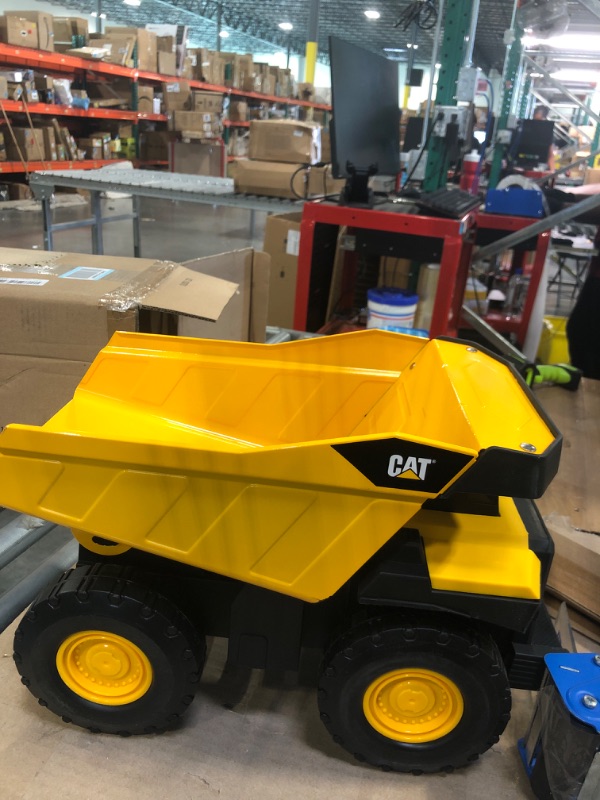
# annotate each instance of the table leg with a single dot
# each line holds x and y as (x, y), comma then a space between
(47, 215)
(97, 243)
(137, 223)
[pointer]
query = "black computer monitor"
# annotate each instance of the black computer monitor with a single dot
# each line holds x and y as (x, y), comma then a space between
(531, 142)
(365, 130)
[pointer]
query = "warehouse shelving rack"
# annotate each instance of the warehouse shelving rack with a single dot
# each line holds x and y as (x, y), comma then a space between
(11, 55)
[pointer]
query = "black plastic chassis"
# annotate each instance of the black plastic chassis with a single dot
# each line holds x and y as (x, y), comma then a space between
(268, 630)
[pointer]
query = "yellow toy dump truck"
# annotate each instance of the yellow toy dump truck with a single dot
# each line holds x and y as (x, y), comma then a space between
(353, 493)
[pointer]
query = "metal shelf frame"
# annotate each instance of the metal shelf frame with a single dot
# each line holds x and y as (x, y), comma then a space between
(143, 183)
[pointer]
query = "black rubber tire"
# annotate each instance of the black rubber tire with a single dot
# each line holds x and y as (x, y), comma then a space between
(469, 658)
(105, 598)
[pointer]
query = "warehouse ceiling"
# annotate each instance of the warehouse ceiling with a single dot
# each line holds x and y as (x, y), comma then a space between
(252, 25)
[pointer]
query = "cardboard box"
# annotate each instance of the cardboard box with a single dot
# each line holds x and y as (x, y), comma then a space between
(273, 179)
(50, 150)
(267, 85)
(44, 23)
(30, 143)
(592, 175)
(3, 88)
(17, 30)
(285, 141)
(210, 68)
(51, 327)
(145, 99)
(198, 158)
(176, 95)
(155, 145)
(238, 111)
(282, 242)
(207, 101)
(2, 148)
(196, 121)
(146, 45)
(119, 48)
(19, 191)
(92, 146)
(70, 32)
(166, 63)
(165, 44)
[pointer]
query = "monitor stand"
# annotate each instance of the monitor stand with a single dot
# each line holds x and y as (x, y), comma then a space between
(356, 192)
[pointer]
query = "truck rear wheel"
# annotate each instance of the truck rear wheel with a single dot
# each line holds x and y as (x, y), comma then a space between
(105, 653)
(414, 696)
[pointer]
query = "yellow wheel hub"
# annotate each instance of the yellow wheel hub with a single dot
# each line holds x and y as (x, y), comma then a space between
(413, 705)
(104, 668)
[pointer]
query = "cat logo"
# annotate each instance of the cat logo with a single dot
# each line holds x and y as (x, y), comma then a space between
(410, 467)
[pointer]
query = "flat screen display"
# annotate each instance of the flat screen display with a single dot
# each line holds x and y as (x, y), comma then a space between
(365, 130)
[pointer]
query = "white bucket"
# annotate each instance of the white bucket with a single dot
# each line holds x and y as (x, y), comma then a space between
(390, 308)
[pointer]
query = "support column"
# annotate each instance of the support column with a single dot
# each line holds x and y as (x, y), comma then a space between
(312, 41)
(513, 61)
(457, 22)
(219, 24)
(525, 97)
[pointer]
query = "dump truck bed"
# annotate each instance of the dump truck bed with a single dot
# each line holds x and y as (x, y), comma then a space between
(287, 466)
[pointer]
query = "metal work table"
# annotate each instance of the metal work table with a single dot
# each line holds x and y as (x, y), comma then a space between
(143, 183)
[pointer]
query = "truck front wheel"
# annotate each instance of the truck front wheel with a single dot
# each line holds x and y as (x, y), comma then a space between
(104, 652)
(414, 696)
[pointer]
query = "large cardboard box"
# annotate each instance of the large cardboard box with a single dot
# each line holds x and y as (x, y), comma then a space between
(30, 142)
(282, 243)
(120, 47)
(176, 95)
(50, 150)
(44, 23)
(145, 99)
(207, 101)
(592, 175)
(273, 180)
(285, 140)
(147, 47)
(166, 63)
(53, 323)
(198, 158)
(18, 30)
(196, 121)
(155, 145)
(209, 67)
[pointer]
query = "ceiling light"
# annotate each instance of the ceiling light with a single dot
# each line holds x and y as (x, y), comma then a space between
(224, 34)
(393, 50)
(438, 65)
(286, 26)
(132, 2)
(370, 13)
(536, 75)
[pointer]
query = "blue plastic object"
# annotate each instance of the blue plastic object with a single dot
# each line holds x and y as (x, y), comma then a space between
(577, 676)
(515, 201)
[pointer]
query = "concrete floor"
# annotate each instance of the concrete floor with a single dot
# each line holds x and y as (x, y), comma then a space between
(244, 737)
(175, 231)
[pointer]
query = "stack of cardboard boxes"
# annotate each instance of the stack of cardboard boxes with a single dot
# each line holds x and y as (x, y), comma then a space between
(278, 150)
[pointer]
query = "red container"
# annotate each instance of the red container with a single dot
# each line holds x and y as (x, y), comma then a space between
(469, 172)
